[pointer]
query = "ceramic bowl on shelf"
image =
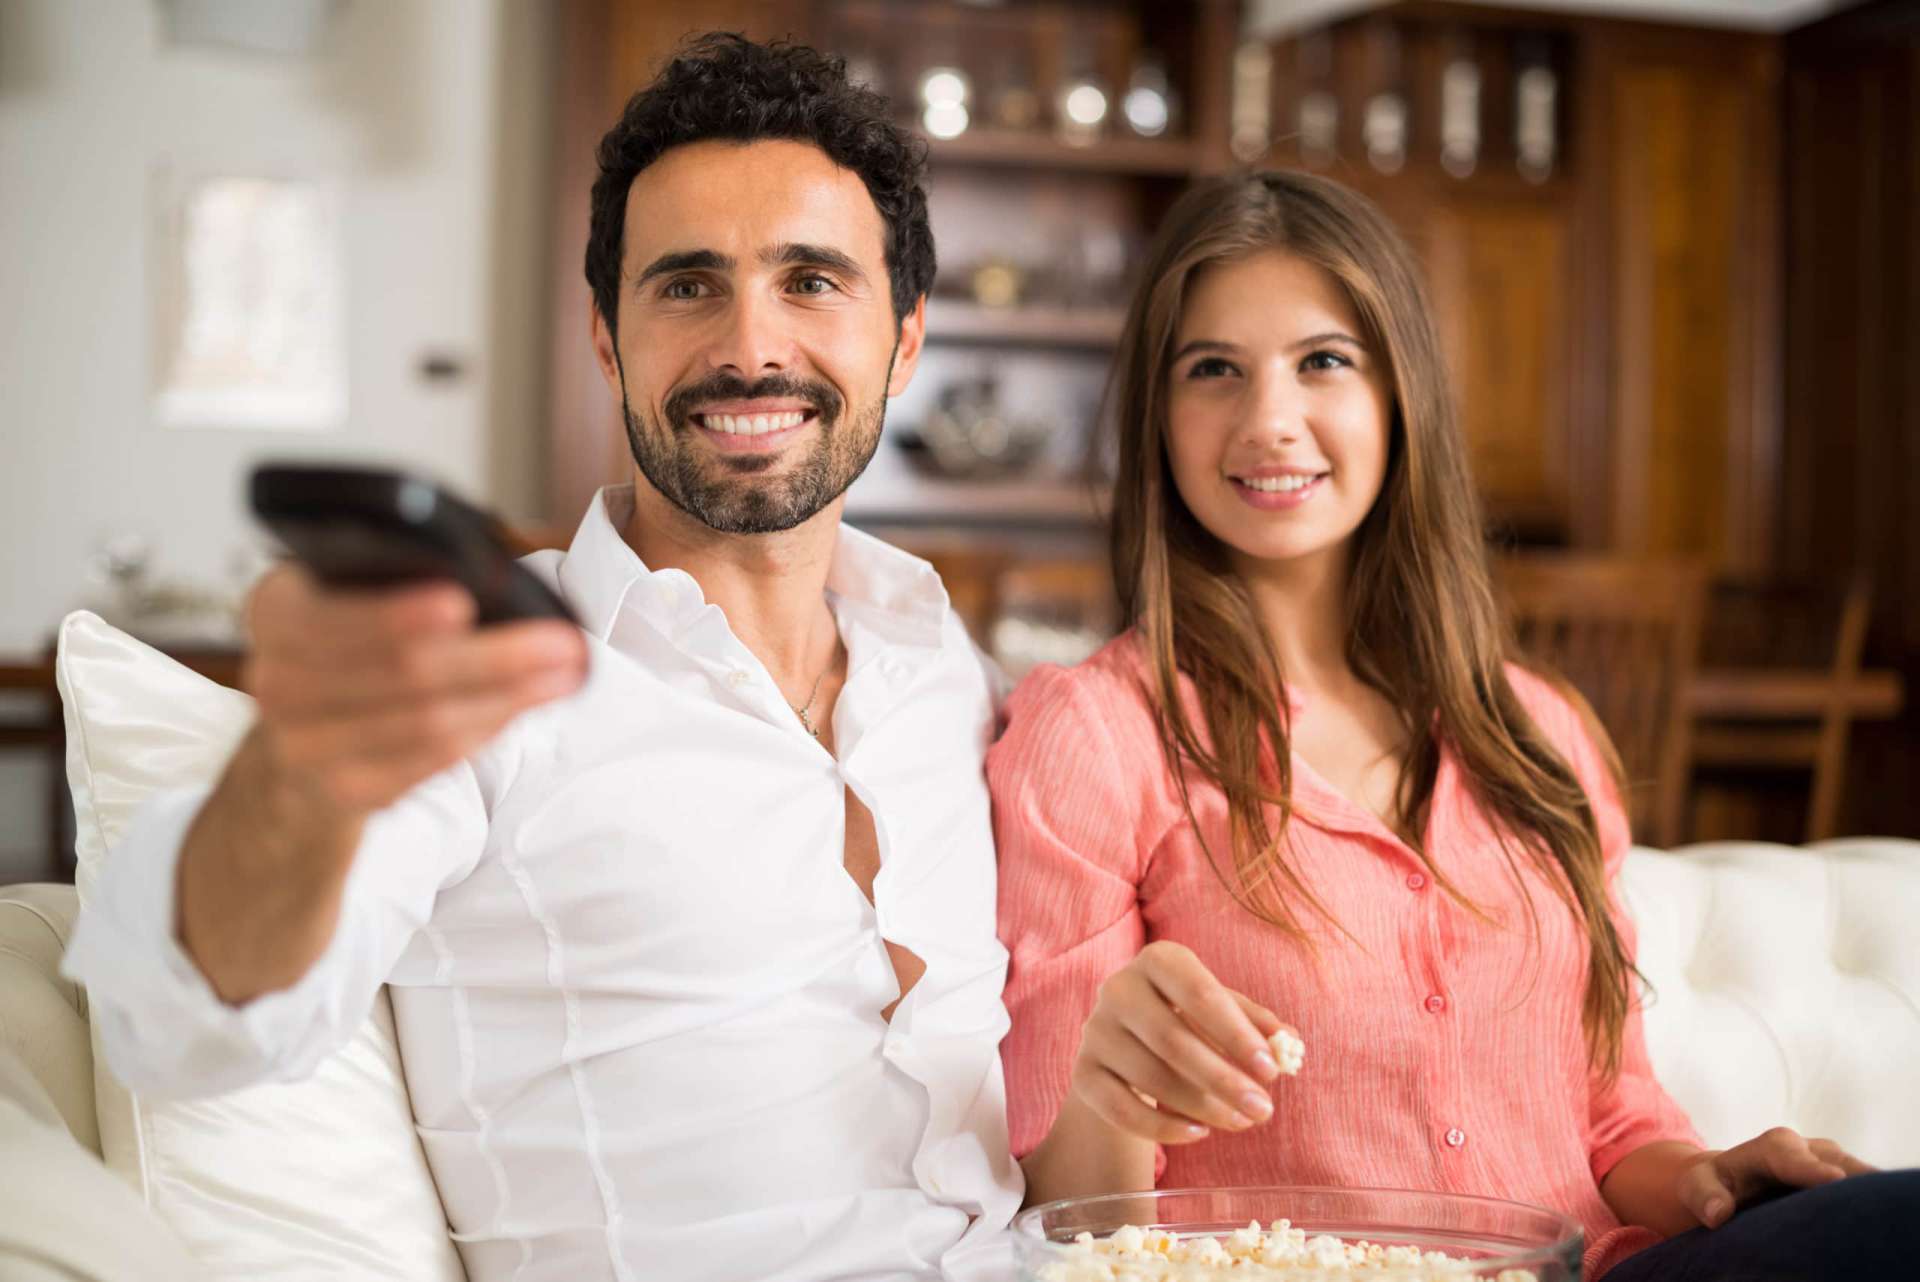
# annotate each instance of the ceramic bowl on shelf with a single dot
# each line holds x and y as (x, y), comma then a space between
(1491, 1235)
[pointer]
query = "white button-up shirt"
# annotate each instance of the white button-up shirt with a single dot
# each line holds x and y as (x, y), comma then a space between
(637, 993)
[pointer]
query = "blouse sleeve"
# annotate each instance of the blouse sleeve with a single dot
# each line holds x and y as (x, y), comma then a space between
(1075, 815)
(1633, 1109)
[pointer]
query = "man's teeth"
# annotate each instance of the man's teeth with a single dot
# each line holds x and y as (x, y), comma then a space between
(754, 424)
(1278, 484)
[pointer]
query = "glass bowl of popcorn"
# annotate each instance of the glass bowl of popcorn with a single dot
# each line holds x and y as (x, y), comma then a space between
(1295, 1234)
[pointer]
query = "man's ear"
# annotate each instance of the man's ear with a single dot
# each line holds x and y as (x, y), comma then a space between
(603, 351)
(906, 354)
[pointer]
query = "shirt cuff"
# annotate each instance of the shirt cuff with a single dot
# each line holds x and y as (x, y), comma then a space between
(162, 1026)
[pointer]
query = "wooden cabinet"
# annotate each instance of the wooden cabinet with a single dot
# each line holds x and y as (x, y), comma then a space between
(1613, 325)
(1611, 319)
(1682, 281)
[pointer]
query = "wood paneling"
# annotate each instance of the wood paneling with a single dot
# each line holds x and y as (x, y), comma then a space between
(1851, 452)
(1690, 171)
(1498, 271)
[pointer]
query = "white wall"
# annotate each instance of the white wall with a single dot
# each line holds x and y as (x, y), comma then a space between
(431, 114)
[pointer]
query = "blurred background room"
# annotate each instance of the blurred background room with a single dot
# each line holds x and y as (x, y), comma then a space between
(1671, 244)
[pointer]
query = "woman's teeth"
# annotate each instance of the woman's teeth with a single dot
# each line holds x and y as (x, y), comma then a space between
(1277, 484)
(753, 424)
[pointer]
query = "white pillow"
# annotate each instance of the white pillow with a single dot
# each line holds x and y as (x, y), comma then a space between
(318, 1179)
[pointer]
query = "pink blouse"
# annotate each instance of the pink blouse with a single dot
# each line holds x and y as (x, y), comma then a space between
(1443, 1052)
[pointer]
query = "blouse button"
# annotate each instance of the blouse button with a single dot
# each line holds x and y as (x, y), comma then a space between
(1436, 1003)
(1456, 1137)
(1416, 881)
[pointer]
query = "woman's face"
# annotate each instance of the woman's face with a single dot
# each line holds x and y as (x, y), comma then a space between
(1277, 411)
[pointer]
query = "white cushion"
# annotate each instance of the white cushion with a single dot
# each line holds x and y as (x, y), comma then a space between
(323, 1178)
(1786, 988)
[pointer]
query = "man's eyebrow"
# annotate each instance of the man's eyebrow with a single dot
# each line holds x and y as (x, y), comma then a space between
(802, 255)
(686, 260)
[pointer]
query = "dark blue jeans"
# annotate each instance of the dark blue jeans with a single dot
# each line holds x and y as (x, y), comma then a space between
(1864, 1227)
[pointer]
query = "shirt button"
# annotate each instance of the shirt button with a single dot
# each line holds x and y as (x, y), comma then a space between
(738, 678)
(1456, 1137)
(1416, 881)
(1436, 1003)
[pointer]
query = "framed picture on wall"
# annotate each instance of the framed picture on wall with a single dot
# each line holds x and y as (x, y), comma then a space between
(248, 288)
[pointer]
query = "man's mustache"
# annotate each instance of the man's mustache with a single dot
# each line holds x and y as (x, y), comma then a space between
(684, 402)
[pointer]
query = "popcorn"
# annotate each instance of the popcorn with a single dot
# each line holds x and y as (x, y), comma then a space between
(1288, 1051)
(1280, 1253)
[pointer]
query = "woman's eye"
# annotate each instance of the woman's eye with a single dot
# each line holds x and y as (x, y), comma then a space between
(1209, 367)
(1325, 361)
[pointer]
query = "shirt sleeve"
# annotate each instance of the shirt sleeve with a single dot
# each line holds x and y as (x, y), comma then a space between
(1073, 825)
(163, 1029)
(1633, 1109)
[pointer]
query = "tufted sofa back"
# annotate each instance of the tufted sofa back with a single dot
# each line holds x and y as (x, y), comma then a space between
(1786, 988)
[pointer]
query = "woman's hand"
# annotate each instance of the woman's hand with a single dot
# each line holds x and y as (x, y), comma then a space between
(1170, 1052)
(1714, 1184)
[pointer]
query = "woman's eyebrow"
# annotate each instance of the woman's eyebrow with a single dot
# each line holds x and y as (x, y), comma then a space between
(1204, 345)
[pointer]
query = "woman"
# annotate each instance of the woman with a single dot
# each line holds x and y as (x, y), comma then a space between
(1310, 780)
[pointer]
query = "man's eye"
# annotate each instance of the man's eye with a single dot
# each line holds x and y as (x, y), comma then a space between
(682, 290)
(813, 285)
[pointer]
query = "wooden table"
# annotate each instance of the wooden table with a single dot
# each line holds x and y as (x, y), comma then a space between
(46, 730)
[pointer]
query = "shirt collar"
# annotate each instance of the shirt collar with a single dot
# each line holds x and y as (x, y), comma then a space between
(898, 595)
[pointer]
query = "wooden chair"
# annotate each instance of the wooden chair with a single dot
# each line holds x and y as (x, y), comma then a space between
(1780, 615)
(1626, 634)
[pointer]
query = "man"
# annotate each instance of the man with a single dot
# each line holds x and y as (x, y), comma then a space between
(689, 917)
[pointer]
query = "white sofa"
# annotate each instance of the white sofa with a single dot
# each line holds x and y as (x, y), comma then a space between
(1788, 991)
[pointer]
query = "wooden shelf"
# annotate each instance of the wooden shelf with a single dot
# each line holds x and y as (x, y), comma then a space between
(1170, 157)
(956, 321)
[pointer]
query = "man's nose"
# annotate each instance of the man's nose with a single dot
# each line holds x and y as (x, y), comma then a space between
(754, 339)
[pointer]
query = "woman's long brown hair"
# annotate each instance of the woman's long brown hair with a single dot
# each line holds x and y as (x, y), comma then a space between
(1423, 627)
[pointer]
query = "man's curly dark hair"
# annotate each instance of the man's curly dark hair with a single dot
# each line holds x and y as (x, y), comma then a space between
(724, 86)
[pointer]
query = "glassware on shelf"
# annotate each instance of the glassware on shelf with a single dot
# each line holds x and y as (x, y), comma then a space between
(1014, 103)
(1383, 122)
(944, 93)
(1080, 111)
(1460, 117)
(1318, 120)
(1251, 112)
(1385, 129)
(1150, 105)
(1536, 92)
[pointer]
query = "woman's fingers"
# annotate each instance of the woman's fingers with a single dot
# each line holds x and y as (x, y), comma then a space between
(1706, 1193)
(1829, 1152)
(1119, 1106)
(1173, 1071)
(1264, 1020)
(1785, 1157)
(1210, 1007)
(1713, 1187)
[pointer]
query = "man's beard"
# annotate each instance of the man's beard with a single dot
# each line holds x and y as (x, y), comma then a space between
(721, 491)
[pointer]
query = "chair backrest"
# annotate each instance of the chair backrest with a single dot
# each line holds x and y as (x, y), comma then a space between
(1626, 633)
(1813, 626)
